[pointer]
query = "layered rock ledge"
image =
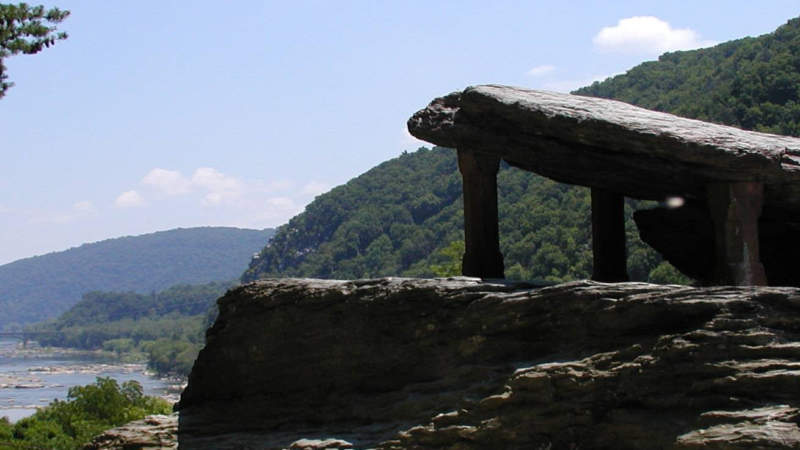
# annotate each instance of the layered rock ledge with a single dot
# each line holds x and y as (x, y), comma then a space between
(460, 363)
(741, 188)
(612, 145)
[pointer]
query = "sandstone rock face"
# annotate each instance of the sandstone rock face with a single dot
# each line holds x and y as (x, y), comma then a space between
(459, 363)
(152, 432)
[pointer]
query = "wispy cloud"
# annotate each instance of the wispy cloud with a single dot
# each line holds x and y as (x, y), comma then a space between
(220, 188)
(274, 210)
(216, 187)
(647, 34)
(78, 211)
(315, 188)
(261, 202)
(83, 206)
(170, 182)
(129, 199)
(542, 70)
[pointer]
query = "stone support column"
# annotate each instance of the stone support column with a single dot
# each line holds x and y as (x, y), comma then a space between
(735, 208)
(482, 257)
(608, 237)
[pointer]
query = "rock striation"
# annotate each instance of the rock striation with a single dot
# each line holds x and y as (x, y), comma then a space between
(459, 363)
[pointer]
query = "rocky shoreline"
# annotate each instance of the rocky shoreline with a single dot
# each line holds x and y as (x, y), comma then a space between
(71, 363)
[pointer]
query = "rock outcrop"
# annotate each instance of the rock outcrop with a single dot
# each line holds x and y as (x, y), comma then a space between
(460, 363)
(610, 144)
(152, 432)
(685, 238)
(627, 150)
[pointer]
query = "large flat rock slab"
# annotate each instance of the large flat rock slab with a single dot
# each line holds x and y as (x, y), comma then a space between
(459, 363)
(612, 145)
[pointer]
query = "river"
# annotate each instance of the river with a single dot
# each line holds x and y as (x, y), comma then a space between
(31, 378)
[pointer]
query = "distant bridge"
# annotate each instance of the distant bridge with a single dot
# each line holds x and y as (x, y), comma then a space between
(26, 336)
(21, 334)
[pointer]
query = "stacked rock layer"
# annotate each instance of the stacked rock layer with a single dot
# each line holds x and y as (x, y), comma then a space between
(458, 363)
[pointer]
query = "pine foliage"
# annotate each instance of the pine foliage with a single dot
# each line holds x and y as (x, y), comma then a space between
(28, 30)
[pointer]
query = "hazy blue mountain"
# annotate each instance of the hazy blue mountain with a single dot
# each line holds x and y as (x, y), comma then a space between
(43, 287)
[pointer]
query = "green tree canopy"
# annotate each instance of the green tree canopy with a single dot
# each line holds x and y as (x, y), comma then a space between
(87, 411)
(26, 29)
(405, 217)
(750, 83)
(167, 328)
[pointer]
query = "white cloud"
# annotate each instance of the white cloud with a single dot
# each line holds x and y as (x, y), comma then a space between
(258, 202)
(214, 187)
(83, 206)
(213, 198)
(281, 203)
(220, 187)
(647, 34)
(539, 71)
(79, 211)
(214, 180)
(170, 182)
(129, 199)
(274, 210)
(315, 188)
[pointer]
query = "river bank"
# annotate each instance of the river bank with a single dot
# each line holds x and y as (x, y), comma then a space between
(32, 377)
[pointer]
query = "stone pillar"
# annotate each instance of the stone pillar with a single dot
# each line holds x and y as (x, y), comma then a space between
(735, 208)
(608, 236)
(482, 257)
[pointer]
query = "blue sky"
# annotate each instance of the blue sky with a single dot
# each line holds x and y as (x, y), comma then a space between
(162, 114)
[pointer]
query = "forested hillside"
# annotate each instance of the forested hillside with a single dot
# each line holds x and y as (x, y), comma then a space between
(168, 327)
(750, 83)
(401, 216)
(42, 287)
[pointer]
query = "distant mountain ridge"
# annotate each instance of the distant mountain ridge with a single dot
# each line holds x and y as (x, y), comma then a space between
(42, 287)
